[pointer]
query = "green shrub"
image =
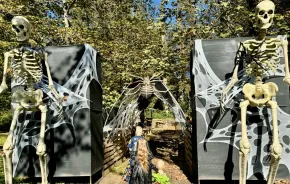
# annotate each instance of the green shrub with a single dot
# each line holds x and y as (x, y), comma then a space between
(5, 120)
(159, 114)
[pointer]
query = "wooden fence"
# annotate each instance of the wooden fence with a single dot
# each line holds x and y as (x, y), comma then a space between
(188, 149)
(114, 151)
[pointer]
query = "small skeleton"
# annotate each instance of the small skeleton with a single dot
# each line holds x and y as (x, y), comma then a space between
(27, 68)
(147, 88)
(137, 96)
(262, 56)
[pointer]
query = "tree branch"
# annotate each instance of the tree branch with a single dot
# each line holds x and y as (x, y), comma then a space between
(71, 5)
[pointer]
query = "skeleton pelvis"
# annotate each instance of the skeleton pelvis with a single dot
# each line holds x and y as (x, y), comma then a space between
(28, 100)
(260, 94)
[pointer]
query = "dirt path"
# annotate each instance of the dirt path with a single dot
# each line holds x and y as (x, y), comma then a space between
(174, 173)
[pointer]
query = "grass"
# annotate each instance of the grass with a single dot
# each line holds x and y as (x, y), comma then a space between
(120, 168)
(2, 179)
(2, 139)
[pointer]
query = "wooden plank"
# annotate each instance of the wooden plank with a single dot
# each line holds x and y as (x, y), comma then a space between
(187, 143)
(187, 134)
(188, 158)
(109, 149)
(188, 151)
(112, 160)
(114, 150)
(109, 164)
(112, 155)
(106, 171)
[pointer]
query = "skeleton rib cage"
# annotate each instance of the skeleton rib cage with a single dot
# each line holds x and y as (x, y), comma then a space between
(259, 57)
(26, 65)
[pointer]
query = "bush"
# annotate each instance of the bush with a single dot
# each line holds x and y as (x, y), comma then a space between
(159, 114)
(5, 120)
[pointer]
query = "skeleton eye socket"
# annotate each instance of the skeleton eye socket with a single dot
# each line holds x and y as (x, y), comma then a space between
(13, 26)
(21, 27)
(271, 12)
(261, 12)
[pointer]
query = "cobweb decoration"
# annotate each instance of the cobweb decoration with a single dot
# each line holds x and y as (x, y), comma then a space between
(128, 111)
(163, 93)
(208, 89)
(28, 123)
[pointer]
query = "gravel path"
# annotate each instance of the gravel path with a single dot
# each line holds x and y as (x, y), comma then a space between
(174, 173)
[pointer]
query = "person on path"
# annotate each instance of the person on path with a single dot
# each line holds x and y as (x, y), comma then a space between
(142, 169)
(132, 150)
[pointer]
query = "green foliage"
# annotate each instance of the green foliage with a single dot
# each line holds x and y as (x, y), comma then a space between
(2, 178)
(160, 179)
(159, 114)
(134, 37)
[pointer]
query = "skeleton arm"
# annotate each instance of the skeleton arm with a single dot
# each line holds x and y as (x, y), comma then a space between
(50, 83)
(6, 60)
(285, 50)
(234, 78)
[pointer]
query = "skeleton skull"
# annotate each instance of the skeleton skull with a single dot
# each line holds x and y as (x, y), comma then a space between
(20, 25)
(265, 14)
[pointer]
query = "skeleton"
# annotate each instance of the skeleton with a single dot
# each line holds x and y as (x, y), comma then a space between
(26, 66)
(147, 85)
(263, 55)
(137, 96)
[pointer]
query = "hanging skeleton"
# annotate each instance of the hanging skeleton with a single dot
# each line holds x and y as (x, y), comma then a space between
(27, 68)
(259, 56)
(137, 97)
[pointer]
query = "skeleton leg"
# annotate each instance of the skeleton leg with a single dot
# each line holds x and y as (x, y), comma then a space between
(276, 148)
(244, 144)
(41, 147)
(8, 147)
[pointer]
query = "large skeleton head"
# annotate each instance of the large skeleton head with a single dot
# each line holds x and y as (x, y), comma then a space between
(20, 25)
(265, 14)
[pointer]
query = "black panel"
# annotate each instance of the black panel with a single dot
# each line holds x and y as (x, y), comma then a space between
(74, 148)
(219, 161)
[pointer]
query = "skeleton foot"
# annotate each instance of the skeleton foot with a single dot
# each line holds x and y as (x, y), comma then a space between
(41, 152)
(7, 160)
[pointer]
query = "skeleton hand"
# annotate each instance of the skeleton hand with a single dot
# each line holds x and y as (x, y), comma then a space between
(3, 87)
(232, 82)
(287, 80)
(41, 149)
(59, 105)
(222, 101)
(8, 145)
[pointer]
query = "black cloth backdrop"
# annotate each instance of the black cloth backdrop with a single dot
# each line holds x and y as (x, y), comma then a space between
(75, 143)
